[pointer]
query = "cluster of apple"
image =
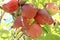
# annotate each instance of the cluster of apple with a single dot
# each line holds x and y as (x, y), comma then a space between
(28, 13)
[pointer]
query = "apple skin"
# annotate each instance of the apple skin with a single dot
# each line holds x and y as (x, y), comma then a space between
(17, 22)
(10, 6)
(29, 11)
(26, 23)
(43, 17)
(34, 31)
(52, 8)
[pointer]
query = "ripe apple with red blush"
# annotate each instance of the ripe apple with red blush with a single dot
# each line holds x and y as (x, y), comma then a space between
(29, 11)
(17, 22)
(10, 6)
(52, 8)
(34, 31)
(26, 23)
(43, 17)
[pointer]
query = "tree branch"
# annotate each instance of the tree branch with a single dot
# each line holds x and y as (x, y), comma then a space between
(0, 7)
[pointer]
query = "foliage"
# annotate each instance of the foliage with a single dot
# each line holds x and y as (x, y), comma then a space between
(50, 32)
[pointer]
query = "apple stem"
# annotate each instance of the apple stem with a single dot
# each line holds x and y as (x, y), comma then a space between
(17, 12)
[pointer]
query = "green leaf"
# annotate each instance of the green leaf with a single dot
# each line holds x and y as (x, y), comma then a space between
(4, 31)
(59, 11)
(47, 27)
(1, 38)
(4, 34)
(27, 38)
(44, 30)
(57, 28)
(19, 35)
(54, 0)
(49, 37)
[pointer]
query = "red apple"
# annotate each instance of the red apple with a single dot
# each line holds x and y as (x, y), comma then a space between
(43, 17)
(29, 11)
(34, 31)
(17, 22)
(10, 6)
(26, 23)
(52, 8)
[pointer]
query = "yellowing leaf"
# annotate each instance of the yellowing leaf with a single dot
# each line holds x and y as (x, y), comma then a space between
(57, 17)
(2, 25)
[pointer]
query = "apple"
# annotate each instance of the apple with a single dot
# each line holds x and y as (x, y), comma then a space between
(29, 11)
(10, 6)
(52, 8)
(43, 17)
(34, 31)
(17, 22)
(26, 23)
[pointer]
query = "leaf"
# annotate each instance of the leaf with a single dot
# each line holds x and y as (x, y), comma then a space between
(59, 11)
(4, 31)
(49, 37)
(2, 25)
(57, 17)
(19, 35)
(27, 38)
(1, 38)
(57, 28)
(54, 0)
(44, 30)
(47, 27)
(4, 34)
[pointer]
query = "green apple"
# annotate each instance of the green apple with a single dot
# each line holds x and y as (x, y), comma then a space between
(52, 8)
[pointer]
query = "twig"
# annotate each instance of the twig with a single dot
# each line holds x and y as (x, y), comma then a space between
(2, 14)
(0, 7)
